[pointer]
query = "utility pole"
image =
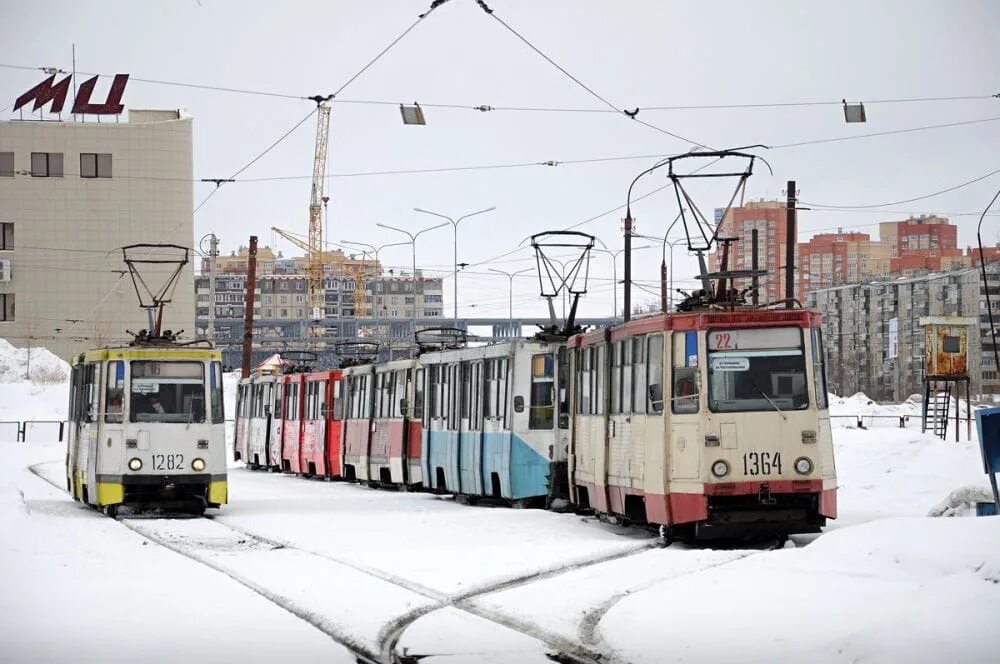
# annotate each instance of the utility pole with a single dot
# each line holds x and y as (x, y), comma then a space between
(627, 314)
(754, 265)
(663, 285)
(213, 253)
(790, 246)
(248, 314)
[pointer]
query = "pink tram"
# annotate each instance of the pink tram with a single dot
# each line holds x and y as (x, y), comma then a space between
(712, 422)
(290, 423)
(382, 423)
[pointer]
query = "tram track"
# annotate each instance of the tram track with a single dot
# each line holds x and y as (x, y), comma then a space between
(185, 537)
(217, 550)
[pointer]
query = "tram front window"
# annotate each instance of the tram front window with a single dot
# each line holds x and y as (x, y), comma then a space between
(167, 392)
(755, 370)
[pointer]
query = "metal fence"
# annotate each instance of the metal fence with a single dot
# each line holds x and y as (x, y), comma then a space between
(868, 421)
(17, 431)
(27, 431)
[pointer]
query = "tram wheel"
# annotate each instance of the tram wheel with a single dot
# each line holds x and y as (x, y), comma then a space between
(111, 511)
(666, 536)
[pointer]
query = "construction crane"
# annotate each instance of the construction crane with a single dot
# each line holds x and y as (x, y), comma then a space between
(314, 256)
(354, 269)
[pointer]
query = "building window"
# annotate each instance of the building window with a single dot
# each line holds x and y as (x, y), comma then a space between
(7, 236)
(6, 307)
(47, 164)
(95, 165)
(6, 164)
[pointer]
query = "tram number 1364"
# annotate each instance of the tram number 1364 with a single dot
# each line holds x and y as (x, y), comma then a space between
(761, 463)
(168, 462)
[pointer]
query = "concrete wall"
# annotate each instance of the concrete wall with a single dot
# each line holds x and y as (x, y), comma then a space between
(66, 260)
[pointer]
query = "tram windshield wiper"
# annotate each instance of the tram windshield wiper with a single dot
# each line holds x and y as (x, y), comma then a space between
(773, 405)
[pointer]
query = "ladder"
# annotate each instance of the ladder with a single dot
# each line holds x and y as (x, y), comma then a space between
(935, 409)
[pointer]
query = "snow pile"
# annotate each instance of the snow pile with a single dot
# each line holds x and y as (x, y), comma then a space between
(893, 472)
(962, 501)
(37, 365)
(899, 590)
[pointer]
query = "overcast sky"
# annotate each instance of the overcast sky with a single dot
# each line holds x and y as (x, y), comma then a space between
(635, 54)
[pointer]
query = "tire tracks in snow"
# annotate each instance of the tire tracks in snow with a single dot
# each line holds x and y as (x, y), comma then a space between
(177, 537)
(363, 654)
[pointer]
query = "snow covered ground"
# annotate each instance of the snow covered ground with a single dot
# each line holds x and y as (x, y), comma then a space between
(295, 568)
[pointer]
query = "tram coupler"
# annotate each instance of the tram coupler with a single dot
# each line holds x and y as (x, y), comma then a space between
(764, 495)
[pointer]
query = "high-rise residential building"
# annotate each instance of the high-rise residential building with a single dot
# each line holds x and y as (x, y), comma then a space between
(874, 340)
(922, 243)
(335, 262)
(71, 195)
(769, 218)
(833, 259)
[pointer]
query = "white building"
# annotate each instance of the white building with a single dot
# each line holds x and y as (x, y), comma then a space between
(71, 195)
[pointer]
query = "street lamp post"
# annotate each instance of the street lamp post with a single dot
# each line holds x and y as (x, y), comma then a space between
(413, 243)
(455, 223)
(510, 292)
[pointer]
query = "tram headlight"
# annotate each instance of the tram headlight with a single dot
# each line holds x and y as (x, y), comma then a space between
(803, 466)
(135, 463)
(198, 465)
(720, 468)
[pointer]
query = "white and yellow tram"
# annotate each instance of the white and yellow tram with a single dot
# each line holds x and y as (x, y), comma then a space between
(147, 428)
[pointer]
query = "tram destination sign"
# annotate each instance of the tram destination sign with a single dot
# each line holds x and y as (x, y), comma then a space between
(48, 91)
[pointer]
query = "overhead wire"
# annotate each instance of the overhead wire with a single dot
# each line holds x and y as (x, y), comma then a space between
(603, 100)
(906, 200)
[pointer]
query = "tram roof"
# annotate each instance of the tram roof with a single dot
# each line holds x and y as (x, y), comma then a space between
(702, 320)
(147, 353)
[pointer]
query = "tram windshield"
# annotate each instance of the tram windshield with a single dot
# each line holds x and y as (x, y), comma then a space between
(167, 392)
(753, 370)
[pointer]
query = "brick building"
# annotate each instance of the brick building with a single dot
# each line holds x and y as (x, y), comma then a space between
(833, 259)
(769, 218)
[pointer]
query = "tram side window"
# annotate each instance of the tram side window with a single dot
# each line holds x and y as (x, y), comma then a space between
(114, 397)
(616, 377)
(540, 414)
(167, 391)
(338, 400)
(218, 407)
(582, 387)
(455, 382)
(490, 385)
(92, 393)
(466, 390)
(563, 363)
(597, 376)
(684, 395)
(401, 386)
(417, 412)
(275, 391)
(639, 396)
(819, 369)
(476, 408)
(502, 380)
(73, 390)
(654, 362)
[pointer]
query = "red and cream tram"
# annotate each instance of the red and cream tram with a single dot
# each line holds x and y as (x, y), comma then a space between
(322, 412)
(712, 421)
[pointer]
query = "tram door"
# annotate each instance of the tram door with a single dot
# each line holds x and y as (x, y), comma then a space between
(684, 445)
(471, 430)
(496, 428)
(90, 427)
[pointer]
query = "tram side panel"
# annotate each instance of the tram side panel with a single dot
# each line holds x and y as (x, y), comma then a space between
(533, 448)
(588, 470)
(386, 426)
(241, 425)
(414, 424)
(291, 435)
(470, 443)
(357, 422)
(315, 422)
(276, 406)
(335, 425)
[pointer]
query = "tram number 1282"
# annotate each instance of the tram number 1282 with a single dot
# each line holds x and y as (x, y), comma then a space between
(761, 463)
(168, 462)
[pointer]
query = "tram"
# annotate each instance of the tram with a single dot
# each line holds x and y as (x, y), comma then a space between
(711, 422)
(322, 412)
(147, 421)
(496, 423)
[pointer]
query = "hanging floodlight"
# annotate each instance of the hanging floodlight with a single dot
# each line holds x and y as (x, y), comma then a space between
(412, 115)
(854, 112)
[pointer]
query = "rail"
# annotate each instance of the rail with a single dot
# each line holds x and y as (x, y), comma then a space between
(25, 431)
